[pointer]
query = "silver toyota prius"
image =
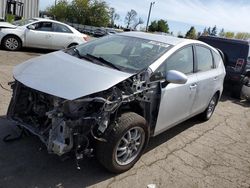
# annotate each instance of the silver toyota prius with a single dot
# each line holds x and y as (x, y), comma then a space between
(107, 97)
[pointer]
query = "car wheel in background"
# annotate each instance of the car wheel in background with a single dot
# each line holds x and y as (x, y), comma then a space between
(125, 144)
(245, 91)
(12, 43)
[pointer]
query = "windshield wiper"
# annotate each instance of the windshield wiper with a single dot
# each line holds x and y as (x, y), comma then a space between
(99, 59)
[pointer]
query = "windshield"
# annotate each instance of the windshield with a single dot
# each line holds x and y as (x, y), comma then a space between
(23, 22)
(127, 54)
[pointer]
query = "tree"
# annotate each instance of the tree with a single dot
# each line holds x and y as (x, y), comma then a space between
(159, 26)
(60, 11)
(113, 16)
(242, 36)
(139, 22)
(205, 32)
(222, 33)
(88, 12)
(130, 17)
(229, 34)
(98, 14)
(209, 31)
(191, 34)
(163, 26)
(214, 31)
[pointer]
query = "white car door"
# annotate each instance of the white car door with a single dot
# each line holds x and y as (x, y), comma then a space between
(62, 36)
(207, 76)
(177, 99)
(38, 35)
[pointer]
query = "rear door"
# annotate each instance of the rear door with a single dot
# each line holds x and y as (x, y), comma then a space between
(62, 36)
(177, 99)
(207, 78)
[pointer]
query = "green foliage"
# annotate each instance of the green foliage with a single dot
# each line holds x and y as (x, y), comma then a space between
(88, 12)
(60, 11)
(159, 26)
(191, 34)
(229, 34)
(10, 18)
(242, 35)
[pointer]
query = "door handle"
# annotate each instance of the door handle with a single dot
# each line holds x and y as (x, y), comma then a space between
(193, 86)
(215, 78)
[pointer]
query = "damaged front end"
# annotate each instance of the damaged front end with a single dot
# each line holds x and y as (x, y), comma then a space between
(72, 125)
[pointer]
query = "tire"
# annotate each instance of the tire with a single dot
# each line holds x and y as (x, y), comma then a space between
(119, 153)
(246, 83)
(207, 114)
(12, 43)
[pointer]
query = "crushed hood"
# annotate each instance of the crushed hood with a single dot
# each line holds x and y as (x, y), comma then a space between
(6, 25)
(65, 76)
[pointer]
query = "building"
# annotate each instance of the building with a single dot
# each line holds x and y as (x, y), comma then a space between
(30, 8)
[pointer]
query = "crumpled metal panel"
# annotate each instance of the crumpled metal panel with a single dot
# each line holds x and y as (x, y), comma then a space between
(65, 76)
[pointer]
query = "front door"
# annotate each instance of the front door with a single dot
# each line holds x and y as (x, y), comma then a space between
(177, 99)
(40, 36)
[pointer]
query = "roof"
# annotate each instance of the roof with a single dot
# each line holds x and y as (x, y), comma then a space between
(213, 38)
(155, 37)
(46, 19)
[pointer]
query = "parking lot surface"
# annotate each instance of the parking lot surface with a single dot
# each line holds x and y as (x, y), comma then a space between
(193, 154)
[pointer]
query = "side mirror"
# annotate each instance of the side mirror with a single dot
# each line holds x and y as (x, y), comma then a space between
(176, 77)
(31, 27)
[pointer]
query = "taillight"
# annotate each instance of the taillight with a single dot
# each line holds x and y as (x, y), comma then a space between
(239, 64)
(86, 37)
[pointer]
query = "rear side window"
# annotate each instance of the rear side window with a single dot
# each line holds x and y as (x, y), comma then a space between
(217, 59)
(204, 58)
(61, 28)
(43, 26)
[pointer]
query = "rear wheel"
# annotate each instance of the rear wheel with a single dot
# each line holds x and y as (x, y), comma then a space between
(125, 144)
(207, 114)
(12, 43)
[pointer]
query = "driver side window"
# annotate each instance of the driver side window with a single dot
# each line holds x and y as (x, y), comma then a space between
(43, 26)
(182, 61)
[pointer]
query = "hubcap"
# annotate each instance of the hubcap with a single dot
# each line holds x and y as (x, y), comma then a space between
(11, 43)
(130, 146)
(211, 107)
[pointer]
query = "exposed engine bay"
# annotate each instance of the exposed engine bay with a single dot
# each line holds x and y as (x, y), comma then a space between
(72, 125)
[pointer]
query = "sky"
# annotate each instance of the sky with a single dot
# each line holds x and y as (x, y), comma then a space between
(232, 15)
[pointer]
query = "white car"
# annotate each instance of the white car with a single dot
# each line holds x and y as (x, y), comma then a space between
(112, 94)
(39, 33)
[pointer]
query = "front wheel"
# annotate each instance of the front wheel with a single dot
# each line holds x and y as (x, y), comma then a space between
(207, 114)
(125, 143)
(12, 43)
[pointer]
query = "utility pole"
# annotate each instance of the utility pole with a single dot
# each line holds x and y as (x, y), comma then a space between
(149, 13)
(55, 2)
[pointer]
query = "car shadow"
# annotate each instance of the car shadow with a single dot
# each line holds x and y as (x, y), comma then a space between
(26, 162)
(32, 50)
(227, 96)
(171, 133)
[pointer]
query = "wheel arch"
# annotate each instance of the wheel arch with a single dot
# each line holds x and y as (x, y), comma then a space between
(8, 35)
(72, 44)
